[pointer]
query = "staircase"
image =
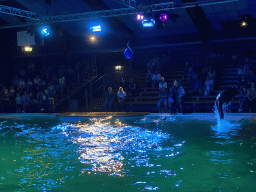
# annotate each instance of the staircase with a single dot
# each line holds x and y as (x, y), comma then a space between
(74, 85)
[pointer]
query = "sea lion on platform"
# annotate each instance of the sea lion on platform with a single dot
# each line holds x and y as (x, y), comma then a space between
(225, 97)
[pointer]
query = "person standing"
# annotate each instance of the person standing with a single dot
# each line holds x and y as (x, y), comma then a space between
(121, 99)
(18, 103)
(109, 100)
(162, 95)
(181, 93)
(173, 97)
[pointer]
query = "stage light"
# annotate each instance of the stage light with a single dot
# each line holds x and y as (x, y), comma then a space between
(244, 24)
(96, 28)
(118, 67)
(92, 38)
(163, 17)
(28, 49)
(45, 32)
(148, 22)
(140, 17)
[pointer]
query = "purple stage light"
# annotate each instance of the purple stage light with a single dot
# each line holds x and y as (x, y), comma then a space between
(163, 17)
(140, 17)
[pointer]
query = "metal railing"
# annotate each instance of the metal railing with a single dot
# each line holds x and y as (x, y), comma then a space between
(68, 91)
(101, 85)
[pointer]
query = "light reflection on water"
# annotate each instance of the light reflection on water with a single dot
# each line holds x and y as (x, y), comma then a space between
(102, 145)
(47, 159)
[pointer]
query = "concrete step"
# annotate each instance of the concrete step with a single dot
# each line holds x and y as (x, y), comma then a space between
(228, 86)
(230, 69)
(229, 81)
(228, 66)
(229, 73)
(229, 77)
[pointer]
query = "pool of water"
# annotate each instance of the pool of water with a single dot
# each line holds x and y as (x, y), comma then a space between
(127, 154)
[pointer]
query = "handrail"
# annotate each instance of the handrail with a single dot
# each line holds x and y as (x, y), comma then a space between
(75, 90)
(99, 78)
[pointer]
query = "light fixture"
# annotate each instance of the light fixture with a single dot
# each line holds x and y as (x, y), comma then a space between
(163, 17)
(45, 32)
(243, 24)
(148, 22)
(28, 49)
(96, 28)
(118, 67)
(92, 38)
(140, 17)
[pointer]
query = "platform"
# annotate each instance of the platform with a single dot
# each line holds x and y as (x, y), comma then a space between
(102, 114)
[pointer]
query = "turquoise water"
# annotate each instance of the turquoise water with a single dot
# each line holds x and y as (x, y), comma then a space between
(112, 154)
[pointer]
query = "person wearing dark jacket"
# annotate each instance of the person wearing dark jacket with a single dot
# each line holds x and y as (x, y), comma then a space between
(173, 98)
(109, 100)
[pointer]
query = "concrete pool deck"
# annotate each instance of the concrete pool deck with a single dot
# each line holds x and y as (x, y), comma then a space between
(84, 115)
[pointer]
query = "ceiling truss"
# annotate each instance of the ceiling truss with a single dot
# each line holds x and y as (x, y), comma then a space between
(35, 19)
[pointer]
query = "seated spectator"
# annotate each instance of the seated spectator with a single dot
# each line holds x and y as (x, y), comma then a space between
(251, 78)
(43, 84)
(40, 95)
(243, 98)
(37, 80)
(22, 85)
(162, 84)
(46, 93)
(24, 102)
(124, 85)
(156, 78)
(240, 71)
(242, 82)
(173, 98)
(132, 88)
(251, 93)
(163, 93)
(109, 100)
(191, 74)
(16, 82)
(246, 70)
(181, 94)
(62, 81)
(12, 94)
(52, 91)
(121, 99)
(18, 103)
(29, 85)
(149, 78)
(6, 94)
(196, 86)
(150, 65)
(208, 86)
(212, 74)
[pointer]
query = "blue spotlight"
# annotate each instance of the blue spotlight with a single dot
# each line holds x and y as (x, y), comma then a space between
(96, 28)
(45, 32)
(148, 22)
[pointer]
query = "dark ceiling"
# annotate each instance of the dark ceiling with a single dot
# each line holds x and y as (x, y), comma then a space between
(200, 23)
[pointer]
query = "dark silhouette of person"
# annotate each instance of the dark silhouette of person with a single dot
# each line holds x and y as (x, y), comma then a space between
(225, 97)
